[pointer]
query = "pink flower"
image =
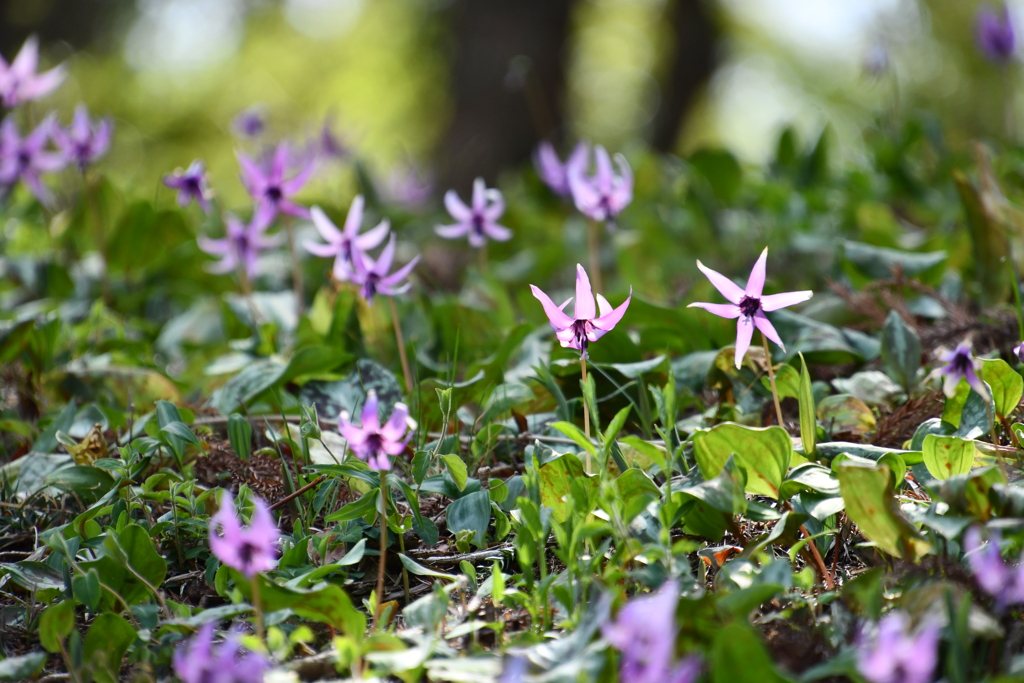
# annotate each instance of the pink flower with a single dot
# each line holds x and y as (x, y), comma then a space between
(479, 221)
(748, 305)
(270, 189)
(28, 158)
(895, 655)
(371, 442)
(241, 246)
(191, 183)
(604, 195)
(19, 81)
(960, 364)
(585, 325)
(83, 141)
(342, 244)
(250, 550)
(373, 277)
(195, 660)
(1004, 583)
(552, 171)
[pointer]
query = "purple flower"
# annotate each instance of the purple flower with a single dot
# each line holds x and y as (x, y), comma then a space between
(342, 244)
(250, 123)
(270, 189)
(83, 142)
(748, 305)
(328, 144)
(645, 633)
(995, 35)
(19, 81)
(960, 364)
(1018, 351)
(1005, 584)
(585, 325)
(196, 661)
(894, 655)
(250, 550)
(478, 221)
(371, 442)
(876, 62)
(372, 276)
(26, 158)
(242, 245)
(604, 195)
(191, 183)
(552, 171)
(409, 187)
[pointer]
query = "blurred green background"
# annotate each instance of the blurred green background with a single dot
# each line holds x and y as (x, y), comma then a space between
(468, 88)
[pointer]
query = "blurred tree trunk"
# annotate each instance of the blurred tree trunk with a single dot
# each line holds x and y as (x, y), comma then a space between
(691, 63)
(507, 82)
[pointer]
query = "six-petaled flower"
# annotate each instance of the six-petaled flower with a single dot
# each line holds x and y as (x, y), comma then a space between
(603, 195)
(341, 245)
(479, 221)
(190, 183)
(895, 654)
(28, 158)
(197, 660)
(251, 549)
(271, 190)
(372, 442)
(552, 171)
(588, 322)
(83, 142)
(960, 364)
(748, 305)
(372, 275)
(19, 81)
(241, 245)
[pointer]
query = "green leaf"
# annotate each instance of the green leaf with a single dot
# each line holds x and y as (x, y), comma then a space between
(1006, 384)
(134, 547)
(763, 453)
(326, 604)
(880, 262)
(808, 421)
(457, 468)
(313, 360)
(366, 504)
(89, 482)
(636, 491)
(738, 656)
(55, 624)
(870, 503)
(86, 588)
(22, 667)
(354, 555)
(472, 512)
(106, 643)
(615, 426)
(418, 569)
(648, 450)
(901, 350)
(809, 476)
(947, 456)
(179, 431)
(240, 435)
(577, 435)
(845, 413)
(556, 479)
(787, 382)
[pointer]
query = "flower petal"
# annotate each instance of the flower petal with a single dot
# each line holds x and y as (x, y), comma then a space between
(744, 332)
(762, 323)
(755, 283)
(774, 302)
(723, 310)
(479, 195)
(609, 320)
(374, 236)
(559, 320)
(354, 217)
(729, 289)
(456, 207)
(370, 420)
(498, 233)
(325, 226)
(585, 308)
(453, 231)
(397, 424)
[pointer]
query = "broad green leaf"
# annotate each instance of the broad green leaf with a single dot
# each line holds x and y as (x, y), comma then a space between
(971, 493)
(90, 483)
(87, 589)
(738, 656)
(653, 453)
(577, 435)
(901, 350)
(809, 477)
(472, 512)
(870, 503)
(947, 456)
(366, 504)
(55, 624)
(808, 420)
(636, 491)
(764, 453)
(418, 569)
(1006, 384)
(615, 426)
(457, 468)
(134, 547)
(556, 478)
(326, 604)
(787, 382)
(106, 643)
(845, 413)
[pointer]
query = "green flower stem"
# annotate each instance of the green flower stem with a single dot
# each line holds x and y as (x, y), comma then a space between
(771, 380)
(257, 607)
(586, 410)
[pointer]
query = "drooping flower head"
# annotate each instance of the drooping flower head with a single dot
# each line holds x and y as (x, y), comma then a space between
(1004, 583)
(241, 245)
(251, 122)
(645, 633)
(342, 244)
(371, 442)
(373, 277)
(250, 550)
(83, 142)
(197, 661)
(960, 364)
(604, 195)
(480, 220)
(748, 305)
(553, 172)
(995, 35)
(191, 183)
(588, 322)
(896, 655)
(270, 189)
(27, 158)
(19, 81)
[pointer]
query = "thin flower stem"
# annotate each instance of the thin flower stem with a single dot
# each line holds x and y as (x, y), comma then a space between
(257, 607)
(296, 267)
(771, 380)
(586, 410)
(405, 572)
(400, 340)
(383, 548)
(243, 282)
(481, 259)
(594, 255)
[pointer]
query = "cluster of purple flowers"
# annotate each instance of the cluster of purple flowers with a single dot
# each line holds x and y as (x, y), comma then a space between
(600, 196)
(49, 147)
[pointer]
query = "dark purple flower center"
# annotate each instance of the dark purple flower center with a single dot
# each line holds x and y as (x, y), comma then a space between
(478, 223)
(961, 363)
(749, 306)
(242, 243)
(247, 552)
(191, 185)
(274, 193)
(374, 444)
(580, 328)
(370, 285)
(24, 159)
